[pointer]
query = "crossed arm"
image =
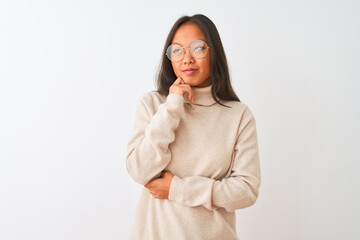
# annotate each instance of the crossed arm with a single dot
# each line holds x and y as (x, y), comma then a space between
(148, 155)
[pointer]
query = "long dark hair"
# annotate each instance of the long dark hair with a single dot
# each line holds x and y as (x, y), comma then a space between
(219, 75)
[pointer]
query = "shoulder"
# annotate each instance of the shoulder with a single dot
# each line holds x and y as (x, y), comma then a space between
(243, 116)
(152, 97)
(239, 109)
(151, 100)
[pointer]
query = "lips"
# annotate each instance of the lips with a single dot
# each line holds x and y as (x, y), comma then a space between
(189, 71)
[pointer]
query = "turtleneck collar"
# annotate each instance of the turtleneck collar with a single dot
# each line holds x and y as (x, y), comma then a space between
(202, 96)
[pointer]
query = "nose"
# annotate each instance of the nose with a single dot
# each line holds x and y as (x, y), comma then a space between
(188, 58)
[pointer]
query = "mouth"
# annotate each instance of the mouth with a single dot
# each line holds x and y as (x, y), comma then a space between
(189, 71)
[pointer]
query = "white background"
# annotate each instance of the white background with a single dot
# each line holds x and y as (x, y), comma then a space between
(72, 72)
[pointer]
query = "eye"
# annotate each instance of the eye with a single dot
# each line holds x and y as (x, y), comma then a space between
(199, 48)
(176, 51)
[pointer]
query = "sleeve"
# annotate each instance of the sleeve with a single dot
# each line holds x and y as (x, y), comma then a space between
(239, 190)
(148, 148)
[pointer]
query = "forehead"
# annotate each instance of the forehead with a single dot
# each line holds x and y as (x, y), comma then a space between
(187, 33)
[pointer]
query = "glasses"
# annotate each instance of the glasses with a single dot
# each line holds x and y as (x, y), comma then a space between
(198, 49)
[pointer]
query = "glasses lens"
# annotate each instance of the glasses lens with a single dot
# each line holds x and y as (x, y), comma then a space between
(198, 49)
(174, 52)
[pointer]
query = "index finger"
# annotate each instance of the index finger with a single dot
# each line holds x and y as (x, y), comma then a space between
(179, 80)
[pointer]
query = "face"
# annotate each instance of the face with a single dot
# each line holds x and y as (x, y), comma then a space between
(184, 36)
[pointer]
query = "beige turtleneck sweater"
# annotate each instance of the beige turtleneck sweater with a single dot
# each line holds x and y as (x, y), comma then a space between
(213, 152)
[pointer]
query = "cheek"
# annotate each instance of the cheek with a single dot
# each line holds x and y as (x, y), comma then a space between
(176, 68)
(206, 67)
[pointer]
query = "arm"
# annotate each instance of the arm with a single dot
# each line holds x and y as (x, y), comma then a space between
(239, 190)
(148, 149)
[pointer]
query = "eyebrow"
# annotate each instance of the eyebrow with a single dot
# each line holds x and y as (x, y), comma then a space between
(191, 42)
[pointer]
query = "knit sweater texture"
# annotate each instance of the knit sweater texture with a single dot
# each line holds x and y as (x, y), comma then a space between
(213, 153)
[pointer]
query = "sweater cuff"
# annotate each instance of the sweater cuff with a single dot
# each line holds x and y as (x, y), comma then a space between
(177, 191)
(175, 102)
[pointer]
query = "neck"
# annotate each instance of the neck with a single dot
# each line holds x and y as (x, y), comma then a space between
(202, 96)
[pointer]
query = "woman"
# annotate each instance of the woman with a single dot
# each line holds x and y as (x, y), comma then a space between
(194, 144)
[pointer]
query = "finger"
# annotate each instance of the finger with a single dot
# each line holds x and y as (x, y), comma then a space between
(154, 194)
(191, 94)
(178, 81)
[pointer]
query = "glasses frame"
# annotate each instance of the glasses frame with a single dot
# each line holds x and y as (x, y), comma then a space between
(183, 52)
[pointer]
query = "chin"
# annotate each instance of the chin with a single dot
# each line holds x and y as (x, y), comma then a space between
(190, 81)
(192, 84)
